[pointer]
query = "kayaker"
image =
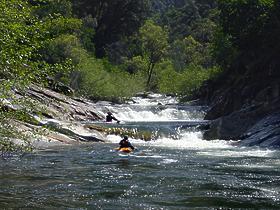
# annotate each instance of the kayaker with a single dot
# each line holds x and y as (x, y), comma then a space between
(125, 143)
(110, 117)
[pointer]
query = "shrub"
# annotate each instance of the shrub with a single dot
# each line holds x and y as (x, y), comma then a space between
(185, 83)
(100, 80)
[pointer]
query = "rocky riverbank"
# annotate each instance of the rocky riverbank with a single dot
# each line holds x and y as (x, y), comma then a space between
(234, 115)
(246, 109)
(60, 120)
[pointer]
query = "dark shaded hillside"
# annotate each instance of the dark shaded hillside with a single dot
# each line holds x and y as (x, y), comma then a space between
(245, 100)
(180, 16)
(239, 102)
(163, 5)
(232, 91)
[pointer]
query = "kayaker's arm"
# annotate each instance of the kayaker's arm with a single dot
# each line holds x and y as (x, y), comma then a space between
(132, 147)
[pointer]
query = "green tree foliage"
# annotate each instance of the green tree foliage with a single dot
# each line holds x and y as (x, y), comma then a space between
(248, 30)
(161, 6)
(247, 47)
(181, 18)
(65, 35)
(47, 8)
(113, 19)
(87, 34)
(245, 21)
(184, 83)
(63, 38)
(101, 80)
(168, 78)
(154, 46)
(136, 64)
(62, 25)
(192, 25)
(223, 49)
(20, 38)
(185, 52)
(192, 51)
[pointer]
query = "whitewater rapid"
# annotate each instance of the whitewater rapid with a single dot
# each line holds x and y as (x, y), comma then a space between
(157, 110)
(186, 172)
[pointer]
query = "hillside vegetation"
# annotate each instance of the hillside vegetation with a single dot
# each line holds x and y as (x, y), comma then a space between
(110, 50)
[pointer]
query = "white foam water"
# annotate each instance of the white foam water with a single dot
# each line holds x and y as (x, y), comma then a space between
(130, 115)
(189, 140)
(154, 99)
(150, 109)
(239, 152)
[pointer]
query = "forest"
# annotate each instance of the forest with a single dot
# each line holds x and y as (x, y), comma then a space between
(139, 104)
(111, 50)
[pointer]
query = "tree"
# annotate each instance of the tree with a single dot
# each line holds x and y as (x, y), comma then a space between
(46, 8)
(154, 45)
(186, 51)
(180, 18)
(20, 38)
(22, 35)
(245, 21)
(248, 31)
(113, 19)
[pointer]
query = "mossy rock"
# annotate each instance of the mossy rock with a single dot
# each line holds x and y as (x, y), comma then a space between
(132, 133)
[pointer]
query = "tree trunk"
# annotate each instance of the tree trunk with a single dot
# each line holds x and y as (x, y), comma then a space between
(150, 72)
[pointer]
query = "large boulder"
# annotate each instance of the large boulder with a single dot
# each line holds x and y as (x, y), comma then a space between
(265, 133)
(239, 124)
(61, 107)
(234, 125)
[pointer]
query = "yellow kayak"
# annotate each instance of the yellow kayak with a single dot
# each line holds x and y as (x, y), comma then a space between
(125, 149)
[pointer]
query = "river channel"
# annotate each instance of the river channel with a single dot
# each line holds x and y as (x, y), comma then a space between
(175, 170)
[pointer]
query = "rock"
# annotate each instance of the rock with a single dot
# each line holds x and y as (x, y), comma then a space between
(236, 125)
(6, 106)
(142, 94)
(240, 108)
(75, 131)
(232, 126)
(62, 107)
(61, 138)
(59, 87)
(243, 98)
(60, 119)
(265, 133)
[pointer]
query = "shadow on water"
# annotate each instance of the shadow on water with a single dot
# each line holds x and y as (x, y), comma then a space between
(123, 163)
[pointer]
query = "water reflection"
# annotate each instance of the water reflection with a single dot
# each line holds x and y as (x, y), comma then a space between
(123, 163)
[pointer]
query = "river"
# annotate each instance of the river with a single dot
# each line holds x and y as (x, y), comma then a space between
(176, 170)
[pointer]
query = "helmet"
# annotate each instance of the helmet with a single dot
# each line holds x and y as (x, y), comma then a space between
(109, 113)
(125, 138)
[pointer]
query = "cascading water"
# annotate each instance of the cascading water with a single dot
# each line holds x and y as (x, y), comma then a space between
(175, 170)
(154, 108)
(165, 117)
